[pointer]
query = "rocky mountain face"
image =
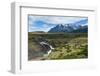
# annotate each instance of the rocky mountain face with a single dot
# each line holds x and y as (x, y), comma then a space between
(77, 27)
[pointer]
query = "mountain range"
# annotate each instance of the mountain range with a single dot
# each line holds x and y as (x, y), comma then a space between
(76, 27)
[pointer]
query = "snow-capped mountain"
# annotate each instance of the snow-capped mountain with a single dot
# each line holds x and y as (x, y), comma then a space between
(61, 28)
(82, 29)
(79, 26)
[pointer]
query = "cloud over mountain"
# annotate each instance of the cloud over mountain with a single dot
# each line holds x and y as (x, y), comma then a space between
(45, 23)
(79, 26)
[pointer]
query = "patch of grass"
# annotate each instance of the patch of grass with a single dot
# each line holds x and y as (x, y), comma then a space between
(67, 45)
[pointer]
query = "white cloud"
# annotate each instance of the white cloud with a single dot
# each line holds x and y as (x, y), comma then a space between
(50, 20)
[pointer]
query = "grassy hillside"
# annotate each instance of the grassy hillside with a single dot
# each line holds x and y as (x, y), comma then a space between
(66, 45)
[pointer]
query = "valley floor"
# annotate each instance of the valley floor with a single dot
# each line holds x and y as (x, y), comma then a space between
(66, 46)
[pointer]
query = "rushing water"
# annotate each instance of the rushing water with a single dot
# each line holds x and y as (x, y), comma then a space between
(48, 46)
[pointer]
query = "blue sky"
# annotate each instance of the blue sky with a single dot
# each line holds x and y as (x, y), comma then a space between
(45, 23)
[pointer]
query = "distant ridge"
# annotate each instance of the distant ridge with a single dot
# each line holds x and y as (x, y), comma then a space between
(38, 32)
(77, 27)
